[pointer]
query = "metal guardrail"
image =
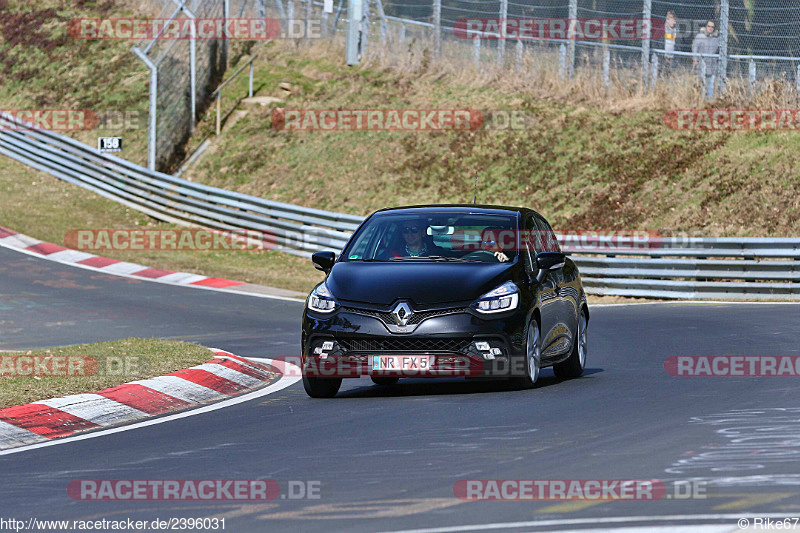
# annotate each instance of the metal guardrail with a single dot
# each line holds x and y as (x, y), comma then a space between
(294, 229)
(684, 268)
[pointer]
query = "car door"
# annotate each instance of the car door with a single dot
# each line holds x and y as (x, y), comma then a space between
(547, 289)
(560, 337)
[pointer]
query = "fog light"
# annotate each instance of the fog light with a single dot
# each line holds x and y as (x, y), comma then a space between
(327, 345)
(488, 356)
(497, 351)
(317, 350)
(482, 346)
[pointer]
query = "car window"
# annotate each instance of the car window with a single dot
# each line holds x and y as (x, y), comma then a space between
(549, 241)
(475, 237)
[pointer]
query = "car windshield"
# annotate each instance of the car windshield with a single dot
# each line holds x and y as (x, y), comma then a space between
(444, 237)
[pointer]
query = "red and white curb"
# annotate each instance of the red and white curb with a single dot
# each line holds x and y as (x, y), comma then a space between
(223, 376)
(54, 252)
(12, 239)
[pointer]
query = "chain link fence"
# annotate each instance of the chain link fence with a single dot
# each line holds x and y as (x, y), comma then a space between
(758, 41)
(184, 73)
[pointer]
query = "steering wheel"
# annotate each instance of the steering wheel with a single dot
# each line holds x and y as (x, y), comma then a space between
(481, 255)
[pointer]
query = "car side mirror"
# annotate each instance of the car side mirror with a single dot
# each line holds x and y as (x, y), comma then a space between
(323, 261)
(547, 261)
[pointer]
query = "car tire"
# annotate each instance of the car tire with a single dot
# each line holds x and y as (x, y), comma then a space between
(384, 381)
(573, 366)
(533, 356)
(321, 387)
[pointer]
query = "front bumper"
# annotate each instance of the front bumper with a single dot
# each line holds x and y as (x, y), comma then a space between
(345, 343)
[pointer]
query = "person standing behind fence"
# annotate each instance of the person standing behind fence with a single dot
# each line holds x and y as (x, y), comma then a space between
(670, 36)
(707, 42)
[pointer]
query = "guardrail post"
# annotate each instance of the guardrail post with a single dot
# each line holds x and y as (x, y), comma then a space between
(562, 61)
(476, 51)
(520, 50)
(606, 66)
(437, 27)
(722, 75)
(647, 14)
(290, 18)
(752, 75)
(250, 84)
(501, 41)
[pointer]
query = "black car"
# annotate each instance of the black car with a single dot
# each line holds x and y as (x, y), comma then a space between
(445, 290)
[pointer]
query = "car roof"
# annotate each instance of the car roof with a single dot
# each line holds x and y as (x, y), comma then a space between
(459, 208)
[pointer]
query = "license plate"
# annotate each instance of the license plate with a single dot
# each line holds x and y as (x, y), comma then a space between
(384, 363)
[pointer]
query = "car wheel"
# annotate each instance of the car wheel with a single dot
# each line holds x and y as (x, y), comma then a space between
(385, 381)
(321, 387)
(533, 356)
(574, 365)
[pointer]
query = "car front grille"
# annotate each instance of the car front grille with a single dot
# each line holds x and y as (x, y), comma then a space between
(406, 345)
(416, 317)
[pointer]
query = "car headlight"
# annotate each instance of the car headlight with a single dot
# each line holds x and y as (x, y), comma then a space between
(321, 300)
(503, 298)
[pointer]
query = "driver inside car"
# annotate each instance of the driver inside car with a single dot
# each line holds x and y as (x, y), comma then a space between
(490, 242)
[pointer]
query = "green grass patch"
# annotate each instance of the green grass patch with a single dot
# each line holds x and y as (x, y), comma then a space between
(93, 367)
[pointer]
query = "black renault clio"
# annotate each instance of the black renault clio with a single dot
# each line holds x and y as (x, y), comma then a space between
(445, 290)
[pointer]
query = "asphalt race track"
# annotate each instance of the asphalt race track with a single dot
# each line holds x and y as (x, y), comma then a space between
(388, 458)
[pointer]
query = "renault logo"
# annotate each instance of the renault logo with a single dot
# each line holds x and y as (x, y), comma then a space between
(401, 313)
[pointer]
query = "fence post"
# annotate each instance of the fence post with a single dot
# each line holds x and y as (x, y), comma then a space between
(653, 71)
(290, 18)
(501, 41)
(226, 14)
(193, 72)
(752, 75)
(307, 24)
(152, 122)
(520, 50)
(352, 49)
(402, 37)
(261, 9)
(797, 78)
(282, 13)
(647, 13)
(437, 27)
(606, 66)
(562, 61)
(364, 27)
(476, 50)
(384, 25)
(723, 46)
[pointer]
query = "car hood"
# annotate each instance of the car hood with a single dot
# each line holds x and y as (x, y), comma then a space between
(421, 283)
